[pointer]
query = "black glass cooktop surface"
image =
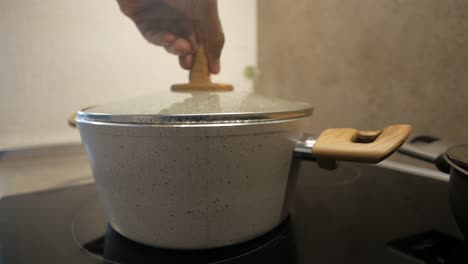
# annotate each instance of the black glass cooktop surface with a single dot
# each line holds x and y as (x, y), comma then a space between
(362, 214)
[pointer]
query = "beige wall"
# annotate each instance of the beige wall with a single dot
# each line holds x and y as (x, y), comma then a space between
(57, 56)
(368, 63)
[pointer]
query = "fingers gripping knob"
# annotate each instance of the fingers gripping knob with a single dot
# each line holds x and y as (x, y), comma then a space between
(200, 79)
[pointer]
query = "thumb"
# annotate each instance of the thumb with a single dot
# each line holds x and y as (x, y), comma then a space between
(212, 37)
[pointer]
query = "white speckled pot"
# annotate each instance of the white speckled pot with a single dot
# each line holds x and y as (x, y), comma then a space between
(192, 187)
(206, 169)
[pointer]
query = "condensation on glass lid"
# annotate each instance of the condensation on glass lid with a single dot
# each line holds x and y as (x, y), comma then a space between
(206, 107)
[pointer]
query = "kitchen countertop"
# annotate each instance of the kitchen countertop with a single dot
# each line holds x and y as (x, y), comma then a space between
(51, 167)
(43, 168)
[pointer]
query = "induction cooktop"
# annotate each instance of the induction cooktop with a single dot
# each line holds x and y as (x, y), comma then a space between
(358, 214)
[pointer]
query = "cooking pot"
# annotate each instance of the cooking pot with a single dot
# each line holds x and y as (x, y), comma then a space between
(448, 158)
(203, 167)
(457, 158)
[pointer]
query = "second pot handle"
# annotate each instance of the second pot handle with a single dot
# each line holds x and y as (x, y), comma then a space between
(349, 144)
(72, 119)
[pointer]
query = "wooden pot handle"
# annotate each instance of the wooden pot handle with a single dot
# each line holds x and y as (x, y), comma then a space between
(349, 144)
(200, 79)
(72, 119)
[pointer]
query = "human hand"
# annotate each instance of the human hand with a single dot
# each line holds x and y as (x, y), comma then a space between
(180, 26)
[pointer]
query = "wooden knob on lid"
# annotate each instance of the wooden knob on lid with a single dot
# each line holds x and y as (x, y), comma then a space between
(200, 79)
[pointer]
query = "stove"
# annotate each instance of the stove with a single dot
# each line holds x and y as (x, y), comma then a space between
(358, 214)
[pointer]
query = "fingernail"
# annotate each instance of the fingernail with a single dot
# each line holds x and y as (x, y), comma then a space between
(169, 39)
(160, 38)
(188, 60)
(171, 49)
(215, 67)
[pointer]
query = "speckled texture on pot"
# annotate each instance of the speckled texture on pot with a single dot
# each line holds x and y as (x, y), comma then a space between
(191, 187)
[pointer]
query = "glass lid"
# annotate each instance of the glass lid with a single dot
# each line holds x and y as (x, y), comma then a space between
(173, 107)
(200, 101)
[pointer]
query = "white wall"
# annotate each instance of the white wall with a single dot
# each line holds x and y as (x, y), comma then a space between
(57, 56)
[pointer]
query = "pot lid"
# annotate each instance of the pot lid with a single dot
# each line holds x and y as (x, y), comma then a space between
(197, 107)
(459, 155)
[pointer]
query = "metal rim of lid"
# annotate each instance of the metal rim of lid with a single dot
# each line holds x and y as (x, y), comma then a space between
(458, 156)
(194, 119)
